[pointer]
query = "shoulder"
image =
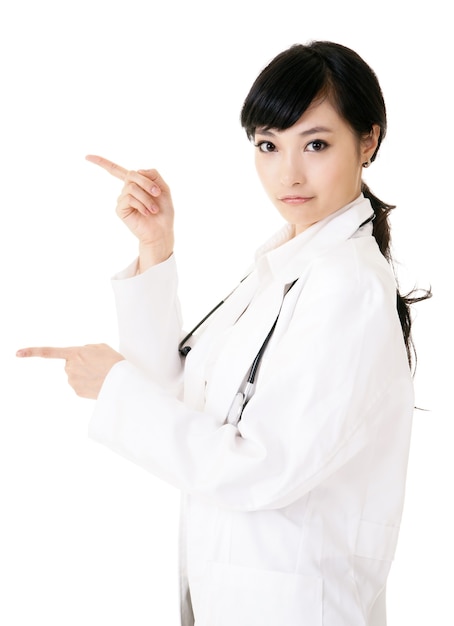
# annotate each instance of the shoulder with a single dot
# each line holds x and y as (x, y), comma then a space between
(351, 287)
(347, 304)
(355, 266)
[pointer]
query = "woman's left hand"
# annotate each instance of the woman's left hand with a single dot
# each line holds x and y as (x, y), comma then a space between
(86, 366)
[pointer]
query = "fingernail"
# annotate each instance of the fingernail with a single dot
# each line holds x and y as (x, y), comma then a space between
(155, 190)
(20, 353)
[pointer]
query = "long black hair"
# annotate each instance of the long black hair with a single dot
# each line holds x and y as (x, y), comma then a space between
(291, 82)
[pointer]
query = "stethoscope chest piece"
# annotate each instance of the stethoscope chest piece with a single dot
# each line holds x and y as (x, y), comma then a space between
(236, 409)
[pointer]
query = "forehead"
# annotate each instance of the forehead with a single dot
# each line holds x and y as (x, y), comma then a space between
(320, 116)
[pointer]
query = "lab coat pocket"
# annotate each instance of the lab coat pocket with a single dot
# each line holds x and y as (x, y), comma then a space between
(374, 552)
(242, 596)
(376, 541)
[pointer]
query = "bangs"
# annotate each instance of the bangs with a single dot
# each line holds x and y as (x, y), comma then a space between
(284, 90)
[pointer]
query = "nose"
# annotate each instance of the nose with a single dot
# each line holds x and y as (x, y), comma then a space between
(292, 172)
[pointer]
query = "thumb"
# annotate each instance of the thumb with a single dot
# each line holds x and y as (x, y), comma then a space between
(156, 177)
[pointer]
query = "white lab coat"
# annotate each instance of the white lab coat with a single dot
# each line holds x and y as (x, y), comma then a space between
(290, 516)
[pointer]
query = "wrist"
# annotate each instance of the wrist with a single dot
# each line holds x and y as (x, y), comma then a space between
(152, 254)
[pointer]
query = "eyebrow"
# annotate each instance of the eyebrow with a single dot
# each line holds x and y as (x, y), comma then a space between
(304, 133)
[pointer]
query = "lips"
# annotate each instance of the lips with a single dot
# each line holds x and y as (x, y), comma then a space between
(295, 199)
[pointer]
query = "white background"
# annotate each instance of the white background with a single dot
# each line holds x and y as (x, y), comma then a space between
(87, 537)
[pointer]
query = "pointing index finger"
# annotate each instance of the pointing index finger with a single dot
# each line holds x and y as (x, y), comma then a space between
(109, 166)
(47, 353)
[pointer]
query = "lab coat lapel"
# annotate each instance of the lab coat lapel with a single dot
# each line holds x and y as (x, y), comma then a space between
(319, 239)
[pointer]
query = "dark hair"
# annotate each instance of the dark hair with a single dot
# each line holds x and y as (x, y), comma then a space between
(290, 83)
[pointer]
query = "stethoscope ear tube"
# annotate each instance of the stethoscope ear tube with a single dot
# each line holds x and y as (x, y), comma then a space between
(184, 350)
(242, 397)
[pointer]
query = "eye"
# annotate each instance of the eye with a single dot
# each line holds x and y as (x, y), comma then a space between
(265, 146)
(316, 146)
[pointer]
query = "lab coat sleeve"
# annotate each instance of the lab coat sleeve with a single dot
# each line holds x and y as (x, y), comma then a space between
(149, 320)
(334, 379)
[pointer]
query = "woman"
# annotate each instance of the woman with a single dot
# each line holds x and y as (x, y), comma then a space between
(285, 418)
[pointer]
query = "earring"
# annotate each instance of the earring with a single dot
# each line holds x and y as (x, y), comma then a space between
(366, 164)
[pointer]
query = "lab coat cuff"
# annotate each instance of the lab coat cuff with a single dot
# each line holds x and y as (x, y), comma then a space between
(131, 271)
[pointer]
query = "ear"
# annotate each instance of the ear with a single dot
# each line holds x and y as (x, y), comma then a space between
(369, 143)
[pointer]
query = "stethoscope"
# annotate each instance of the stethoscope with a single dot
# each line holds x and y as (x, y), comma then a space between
(184, 350)
(243, 396)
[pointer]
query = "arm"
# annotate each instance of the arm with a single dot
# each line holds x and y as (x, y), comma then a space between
(147, 306)
(149, 320)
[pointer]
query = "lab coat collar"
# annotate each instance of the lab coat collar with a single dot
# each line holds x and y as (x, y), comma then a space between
(285, 255)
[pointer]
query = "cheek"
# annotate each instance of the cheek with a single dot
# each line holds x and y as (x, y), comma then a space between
(342, 171)
(264, 171)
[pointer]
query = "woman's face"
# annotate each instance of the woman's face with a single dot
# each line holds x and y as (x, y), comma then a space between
(313, 168)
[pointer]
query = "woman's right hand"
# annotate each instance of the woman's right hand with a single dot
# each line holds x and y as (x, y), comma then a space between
(145, 206)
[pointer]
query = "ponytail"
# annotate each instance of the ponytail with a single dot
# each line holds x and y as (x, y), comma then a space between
(382, 233)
